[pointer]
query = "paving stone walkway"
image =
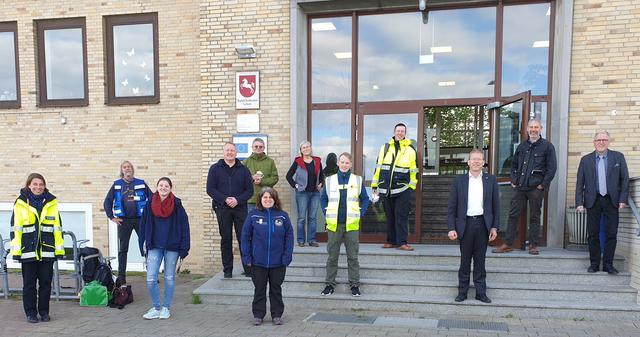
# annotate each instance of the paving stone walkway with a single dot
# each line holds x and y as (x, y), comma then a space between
(69, 319)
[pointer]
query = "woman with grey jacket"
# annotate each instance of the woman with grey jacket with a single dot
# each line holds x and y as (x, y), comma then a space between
(306, 177)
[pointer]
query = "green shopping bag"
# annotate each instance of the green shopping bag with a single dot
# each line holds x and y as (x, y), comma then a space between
(94, 294)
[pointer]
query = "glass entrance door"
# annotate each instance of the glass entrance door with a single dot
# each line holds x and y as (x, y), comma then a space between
(451, 132)
(509, 121)
(375, 125)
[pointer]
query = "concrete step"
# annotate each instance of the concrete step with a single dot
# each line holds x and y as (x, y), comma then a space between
(449, 288)
(553, 284)
(557, 259)
(439, 305)
(448, 273)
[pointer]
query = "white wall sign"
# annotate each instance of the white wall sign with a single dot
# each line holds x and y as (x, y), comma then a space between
(248, 90)
(248, 122)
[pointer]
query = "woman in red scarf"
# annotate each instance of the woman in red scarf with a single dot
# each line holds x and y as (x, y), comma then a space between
(164, 235)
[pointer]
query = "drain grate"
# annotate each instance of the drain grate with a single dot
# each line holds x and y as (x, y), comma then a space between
(346, 319)
(472, 325)
(407, 322)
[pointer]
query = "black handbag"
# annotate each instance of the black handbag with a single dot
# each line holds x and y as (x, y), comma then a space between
(121, 296)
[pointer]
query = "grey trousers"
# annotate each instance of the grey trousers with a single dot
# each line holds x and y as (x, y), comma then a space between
(351, 244)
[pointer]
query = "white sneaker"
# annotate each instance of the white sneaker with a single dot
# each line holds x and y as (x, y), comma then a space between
(164, 313)
(153, 313)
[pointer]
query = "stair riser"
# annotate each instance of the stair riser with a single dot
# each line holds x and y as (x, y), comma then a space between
(438, 275)
(407, 259)
(447, 291)
(439, 310)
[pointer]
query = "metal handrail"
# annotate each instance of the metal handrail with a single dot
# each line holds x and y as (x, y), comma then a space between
(634, 210)
(57, 291)
(77, 274)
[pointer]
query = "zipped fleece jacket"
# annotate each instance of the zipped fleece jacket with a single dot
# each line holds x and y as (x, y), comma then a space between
(224, 181)
(176, 238)
(267, 239)
(266, 165)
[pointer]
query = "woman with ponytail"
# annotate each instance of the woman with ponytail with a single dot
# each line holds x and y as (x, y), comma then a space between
(164, 235)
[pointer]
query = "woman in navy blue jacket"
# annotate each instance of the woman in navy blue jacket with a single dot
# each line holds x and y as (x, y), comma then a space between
(164, 235)
(267, 246)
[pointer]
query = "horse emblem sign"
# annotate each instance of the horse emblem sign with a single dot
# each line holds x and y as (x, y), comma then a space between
(248, 90)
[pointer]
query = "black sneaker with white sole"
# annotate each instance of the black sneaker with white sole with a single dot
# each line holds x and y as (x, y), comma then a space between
(328, 290)
(355, 291)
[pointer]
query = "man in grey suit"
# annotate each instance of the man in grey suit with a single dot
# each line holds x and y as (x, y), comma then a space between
(473, 216)
(602, 187)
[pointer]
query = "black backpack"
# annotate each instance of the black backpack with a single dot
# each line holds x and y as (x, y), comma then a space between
(90, 258)
(104, 275)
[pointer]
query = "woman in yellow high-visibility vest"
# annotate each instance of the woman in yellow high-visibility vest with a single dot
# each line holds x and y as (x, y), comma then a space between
(36, 242)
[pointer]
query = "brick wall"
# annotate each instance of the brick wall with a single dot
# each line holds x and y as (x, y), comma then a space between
(604, 77)
(81, 159)
(180, 137)
(265, 25)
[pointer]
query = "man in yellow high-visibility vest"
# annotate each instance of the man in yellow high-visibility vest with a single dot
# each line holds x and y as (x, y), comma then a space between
(344, 201)
(394, 179)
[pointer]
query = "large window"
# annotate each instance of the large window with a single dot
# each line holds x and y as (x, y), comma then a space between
(132, 59)
(452, 55)
(331, 59)
(331, 132)
(9, 71)
(62, 62)
(526, 42)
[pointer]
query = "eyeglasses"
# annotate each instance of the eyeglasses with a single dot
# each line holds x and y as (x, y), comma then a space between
(601, 140)
(258, 146)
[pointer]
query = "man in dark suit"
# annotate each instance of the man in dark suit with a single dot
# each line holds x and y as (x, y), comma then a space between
(473, 217)
(602, 187)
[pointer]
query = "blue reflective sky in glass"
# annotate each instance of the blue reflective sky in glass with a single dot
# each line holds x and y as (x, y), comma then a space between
(523, 66)
(390, 46)
(133, 60)
(8, 90)
(331, 132)
(330, 75)
(378, 129)
(64, 63)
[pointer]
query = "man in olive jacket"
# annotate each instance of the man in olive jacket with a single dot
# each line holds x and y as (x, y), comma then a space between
(263, 170)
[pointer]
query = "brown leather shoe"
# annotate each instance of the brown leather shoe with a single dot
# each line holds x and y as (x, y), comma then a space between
(503, 249)
(406, 248)
(533, 249)
(389, 245)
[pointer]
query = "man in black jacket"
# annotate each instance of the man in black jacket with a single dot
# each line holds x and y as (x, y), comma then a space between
(602, 187)
(532, 169)
(230, 185)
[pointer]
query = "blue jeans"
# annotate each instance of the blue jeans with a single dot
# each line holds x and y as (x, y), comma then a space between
(154, 259)
(308, 203)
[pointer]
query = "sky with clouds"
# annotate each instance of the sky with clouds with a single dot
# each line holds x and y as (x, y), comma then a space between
(64, 63)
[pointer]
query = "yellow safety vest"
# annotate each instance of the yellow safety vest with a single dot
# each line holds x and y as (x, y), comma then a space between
(36, 237)
(353, 187)
(395, 173)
